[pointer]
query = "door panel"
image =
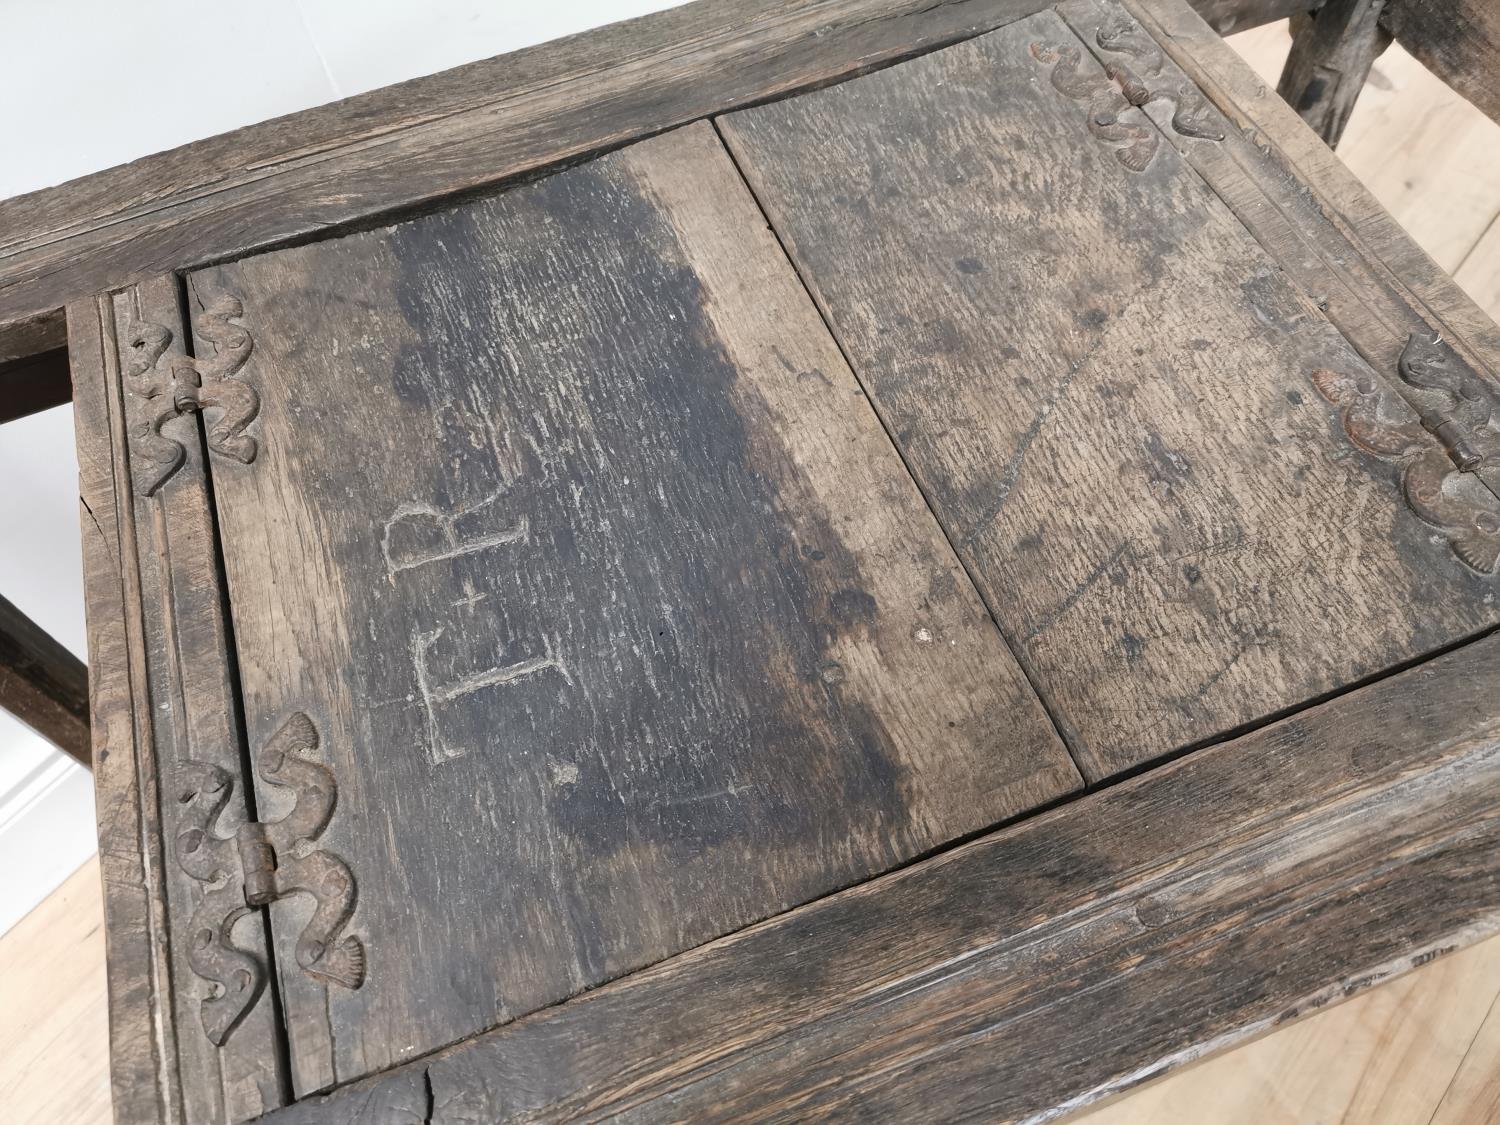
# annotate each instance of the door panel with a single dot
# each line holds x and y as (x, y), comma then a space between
(1111, 395)
(617, 618)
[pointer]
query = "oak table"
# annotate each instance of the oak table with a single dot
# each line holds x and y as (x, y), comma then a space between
(855, 559)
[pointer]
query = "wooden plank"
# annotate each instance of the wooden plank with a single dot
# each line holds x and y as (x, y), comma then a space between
(300, 175)
(1228, 17)
(1474, 1092)
(43, 684)
(142, 1048)
(1330, 60)
(179, 692)
(1126, 447)
(1458, 40)
(1346, 204)
(1121, 935)
(621, 622)
(1428, 156)
(35, 383)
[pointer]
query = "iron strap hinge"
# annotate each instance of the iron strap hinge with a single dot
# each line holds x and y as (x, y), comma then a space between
(259, 864)
(163, 385)
(1453, 483)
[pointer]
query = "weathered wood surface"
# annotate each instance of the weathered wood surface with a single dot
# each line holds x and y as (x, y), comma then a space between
(1458, 40)
(141, 1041)
(22, 339)
(1373, 305)
(1049, 964)
(37, 382)
(453, 132)
(1331, 55)
(181, 698)
(459, 130)
(621, 620)
(1230, 16)
(1105, 387)
(1399, 276)
(43, 684)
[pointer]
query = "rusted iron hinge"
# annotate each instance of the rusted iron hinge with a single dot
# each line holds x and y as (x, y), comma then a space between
(1452, 484)
(1125, 86)
(260, 863)
(164, 386)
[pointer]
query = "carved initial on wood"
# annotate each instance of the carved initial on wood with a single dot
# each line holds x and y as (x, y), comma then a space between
(164, 386)
(1449, 483)
(1119, 87)
(260, 863)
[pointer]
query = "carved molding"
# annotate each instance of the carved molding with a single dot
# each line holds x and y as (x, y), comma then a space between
(1120, 87)
(258, 864)
(1450, 483)
(164, 386)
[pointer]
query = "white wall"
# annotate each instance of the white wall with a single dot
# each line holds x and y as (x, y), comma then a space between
(88, 84)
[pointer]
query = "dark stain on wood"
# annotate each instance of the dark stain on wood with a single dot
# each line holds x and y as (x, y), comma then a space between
(620, 631)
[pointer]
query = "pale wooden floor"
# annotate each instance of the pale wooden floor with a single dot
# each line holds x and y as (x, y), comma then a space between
(1422, 1050)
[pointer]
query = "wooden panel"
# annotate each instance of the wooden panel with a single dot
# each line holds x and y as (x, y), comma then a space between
(1365, 228)
(1116, 937)
(1105, 387)
(452, 132)
(175, 682)
(1368, 302)
(1458, 40)
(141, 1080)
(43, 684)
(620, 620)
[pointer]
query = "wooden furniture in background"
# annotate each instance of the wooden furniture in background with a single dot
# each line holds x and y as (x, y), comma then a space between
(43, 684)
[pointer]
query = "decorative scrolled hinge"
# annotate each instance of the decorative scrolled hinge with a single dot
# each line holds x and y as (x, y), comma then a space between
(1451, 483)
(1109, 95)
(259, 864)
(166, 386)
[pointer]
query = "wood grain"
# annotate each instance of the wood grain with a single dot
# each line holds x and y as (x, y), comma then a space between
(1330, 61)
(1103, 383)
(54, 1041)
(38, 382)
(1371, 235)
(177, 690)
(1227, 17)
(1458, 40)
(1116, 937)
(621, 620)
(1400, 1054)
(143, 1079)
(43, 684)
(301, 175)
(23, 339)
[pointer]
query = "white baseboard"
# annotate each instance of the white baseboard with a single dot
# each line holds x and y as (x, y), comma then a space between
(46, 833)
